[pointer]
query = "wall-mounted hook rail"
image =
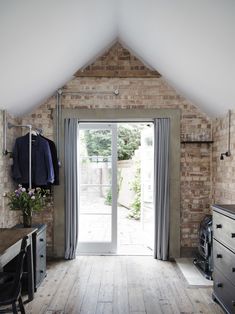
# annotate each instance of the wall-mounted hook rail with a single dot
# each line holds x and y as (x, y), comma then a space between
(29, 126)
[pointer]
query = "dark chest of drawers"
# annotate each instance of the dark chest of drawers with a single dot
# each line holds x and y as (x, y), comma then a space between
(39, 257)
(39, 254)
(224, 256)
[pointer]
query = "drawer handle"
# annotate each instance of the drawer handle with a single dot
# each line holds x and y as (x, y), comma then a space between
(233, 269)
(41, 271)
(233, 235)
(41, 239)
(41, 255)
(219, 226)
(219, 256)
(219, 285)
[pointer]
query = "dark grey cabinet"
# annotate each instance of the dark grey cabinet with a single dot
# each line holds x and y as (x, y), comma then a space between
(224, 256)
(39, 254)
(39, 257)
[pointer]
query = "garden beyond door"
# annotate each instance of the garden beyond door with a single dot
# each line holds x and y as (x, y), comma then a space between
(115, 188)
(97, 188)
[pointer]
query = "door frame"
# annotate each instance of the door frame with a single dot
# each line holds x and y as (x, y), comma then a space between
(123, 115)
(99, 247)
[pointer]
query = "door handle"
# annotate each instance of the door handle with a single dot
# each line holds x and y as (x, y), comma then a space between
(219, 256)
(219, 285)
(218, 226)
(233, 235)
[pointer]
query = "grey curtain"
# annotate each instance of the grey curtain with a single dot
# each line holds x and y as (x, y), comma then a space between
(161, 183)
(71, 187)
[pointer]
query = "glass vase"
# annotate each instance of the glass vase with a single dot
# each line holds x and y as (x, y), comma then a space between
(27, 220)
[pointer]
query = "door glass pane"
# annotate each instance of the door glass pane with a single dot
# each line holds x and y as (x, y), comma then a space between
(95, 228)
(95, 170)
(95, 200)
(95, 196)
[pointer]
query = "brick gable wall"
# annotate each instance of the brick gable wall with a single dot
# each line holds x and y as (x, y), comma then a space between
(140, 87)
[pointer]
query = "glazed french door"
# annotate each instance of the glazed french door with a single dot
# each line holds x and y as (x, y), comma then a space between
(97, 188)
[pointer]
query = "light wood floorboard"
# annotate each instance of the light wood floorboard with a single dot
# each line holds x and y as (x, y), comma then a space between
(119, 285)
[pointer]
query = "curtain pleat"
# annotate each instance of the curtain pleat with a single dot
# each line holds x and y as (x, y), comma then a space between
(71, 186)
(162, 191)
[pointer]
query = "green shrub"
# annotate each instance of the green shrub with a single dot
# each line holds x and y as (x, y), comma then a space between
(108, 197)
(98, 142)
(135, 212)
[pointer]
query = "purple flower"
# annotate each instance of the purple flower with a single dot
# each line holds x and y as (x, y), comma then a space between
(18, 191)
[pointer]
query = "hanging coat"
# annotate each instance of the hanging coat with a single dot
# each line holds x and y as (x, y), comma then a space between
(42, 167)
(54, 159)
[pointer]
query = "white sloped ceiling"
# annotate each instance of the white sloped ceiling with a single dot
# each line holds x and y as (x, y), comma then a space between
(191, 43)
(43, 42)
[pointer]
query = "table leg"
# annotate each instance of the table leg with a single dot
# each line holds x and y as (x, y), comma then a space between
(30, 271)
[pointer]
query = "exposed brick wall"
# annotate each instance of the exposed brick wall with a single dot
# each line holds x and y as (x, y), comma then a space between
(8, 218)
(148, 90)
(223, 170)
(42, 118)
(195, 189)
(117, 62)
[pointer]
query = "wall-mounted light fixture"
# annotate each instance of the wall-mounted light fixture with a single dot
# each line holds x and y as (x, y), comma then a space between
(228, 152)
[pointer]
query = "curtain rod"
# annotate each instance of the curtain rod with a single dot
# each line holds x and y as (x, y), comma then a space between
(107, 121)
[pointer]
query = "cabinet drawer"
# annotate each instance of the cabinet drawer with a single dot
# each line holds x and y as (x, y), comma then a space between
(224, 291)
(41, 258)
(40, 275)
(40, 266)
(224, 260)
(224, 230)
(41, 240)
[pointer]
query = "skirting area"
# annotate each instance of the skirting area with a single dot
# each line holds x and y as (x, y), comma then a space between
(119, 284)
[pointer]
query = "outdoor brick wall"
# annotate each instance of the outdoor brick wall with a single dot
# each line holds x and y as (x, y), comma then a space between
(223, 170)
(140, 90)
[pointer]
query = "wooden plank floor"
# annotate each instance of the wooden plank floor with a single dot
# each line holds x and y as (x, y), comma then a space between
(119, 285)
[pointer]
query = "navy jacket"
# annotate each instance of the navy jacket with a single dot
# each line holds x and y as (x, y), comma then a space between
(54, 159)
(42, 167)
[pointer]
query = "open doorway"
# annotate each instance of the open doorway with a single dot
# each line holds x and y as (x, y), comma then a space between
(135, 189)
(116, 188)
